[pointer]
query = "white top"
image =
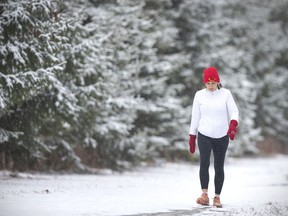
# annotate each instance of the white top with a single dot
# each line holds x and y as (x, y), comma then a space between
(212, 112)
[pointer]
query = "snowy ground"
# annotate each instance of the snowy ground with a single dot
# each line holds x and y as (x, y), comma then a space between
(252, 187)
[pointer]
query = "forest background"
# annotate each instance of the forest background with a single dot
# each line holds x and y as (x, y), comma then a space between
(87, 85)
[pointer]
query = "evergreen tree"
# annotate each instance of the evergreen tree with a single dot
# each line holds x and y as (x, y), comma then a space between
(270, 66)
(128, 108)
(110, 83)
(32, 34)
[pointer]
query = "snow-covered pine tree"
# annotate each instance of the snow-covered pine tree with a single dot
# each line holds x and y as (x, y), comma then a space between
(270, 48)
(122, 91)
(33, 101)
(278, 14)
(94, 72)
(128, 106)
(163, 119)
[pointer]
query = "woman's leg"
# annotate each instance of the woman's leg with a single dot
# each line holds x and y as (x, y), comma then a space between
(205, 147)
(219, 151)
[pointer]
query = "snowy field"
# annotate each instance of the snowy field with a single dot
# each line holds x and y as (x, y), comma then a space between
(252, 187)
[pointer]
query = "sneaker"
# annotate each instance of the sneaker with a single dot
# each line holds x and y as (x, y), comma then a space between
(203, 199)
(216, 202)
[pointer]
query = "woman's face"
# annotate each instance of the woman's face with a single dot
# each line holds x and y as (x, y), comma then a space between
(211, 86)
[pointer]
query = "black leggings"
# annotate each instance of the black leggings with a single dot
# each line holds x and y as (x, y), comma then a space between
(219, 147)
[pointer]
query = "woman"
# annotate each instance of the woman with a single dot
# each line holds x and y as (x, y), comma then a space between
(214, 119)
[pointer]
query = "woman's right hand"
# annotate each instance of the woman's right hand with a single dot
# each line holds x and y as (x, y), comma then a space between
(192, 143)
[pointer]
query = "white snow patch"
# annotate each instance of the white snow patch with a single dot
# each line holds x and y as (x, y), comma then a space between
(252, 187)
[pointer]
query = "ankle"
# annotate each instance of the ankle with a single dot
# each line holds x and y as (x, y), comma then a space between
(205, 191)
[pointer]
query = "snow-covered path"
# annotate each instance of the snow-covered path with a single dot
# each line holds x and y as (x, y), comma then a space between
(252, 186)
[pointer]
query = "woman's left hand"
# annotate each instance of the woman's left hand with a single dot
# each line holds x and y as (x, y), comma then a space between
(232, 131)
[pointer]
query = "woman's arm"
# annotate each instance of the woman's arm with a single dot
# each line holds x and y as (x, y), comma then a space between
(232, 108)
(195, 117)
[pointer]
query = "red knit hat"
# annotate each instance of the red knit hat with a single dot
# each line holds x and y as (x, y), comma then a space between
(211, 75)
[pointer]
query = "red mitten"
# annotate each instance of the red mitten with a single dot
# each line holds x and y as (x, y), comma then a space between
(232, 131)
(192, 143)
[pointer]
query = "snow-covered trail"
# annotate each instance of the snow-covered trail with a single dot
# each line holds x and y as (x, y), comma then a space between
(252, 186)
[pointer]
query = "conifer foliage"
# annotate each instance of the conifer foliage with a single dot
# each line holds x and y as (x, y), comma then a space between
(32, 36)
(109, 84)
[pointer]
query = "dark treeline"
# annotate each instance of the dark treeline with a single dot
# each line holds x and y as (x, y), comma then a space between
(98, 84)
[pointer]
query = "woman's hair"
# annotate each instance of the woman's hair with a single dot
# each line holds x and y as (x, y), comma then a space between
(219, 85)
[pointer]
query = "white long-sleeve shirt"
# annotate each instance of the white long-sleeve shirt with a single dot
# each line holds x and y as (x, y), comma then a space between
(212, 112)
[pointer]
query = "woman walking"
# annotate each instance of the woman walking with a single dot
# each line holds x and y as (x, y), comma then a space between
(214, 120)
